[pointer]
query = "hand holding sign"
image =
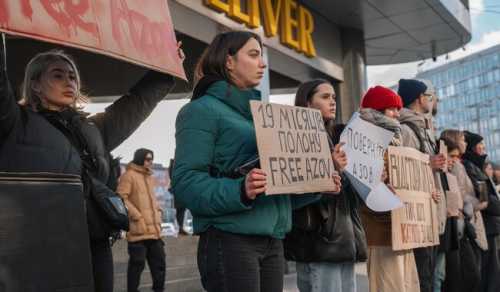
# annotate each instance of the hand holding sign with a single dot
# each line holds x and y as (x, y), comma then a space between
(339, 157)
(180, 52)
(337, 180)
(438, 162)
(436, 196)
(255, 183)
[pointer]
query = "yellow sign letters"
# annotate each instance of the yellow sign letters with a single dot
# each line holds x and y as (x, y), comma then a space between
(294, 22)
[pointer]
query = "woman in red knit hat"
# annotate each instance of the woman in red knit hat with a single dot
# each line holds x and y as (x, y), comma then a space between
(388, 270)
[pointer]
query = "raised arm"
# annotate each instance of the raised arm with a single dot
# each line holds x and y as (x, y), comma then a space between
(9, 110)
(125, 115)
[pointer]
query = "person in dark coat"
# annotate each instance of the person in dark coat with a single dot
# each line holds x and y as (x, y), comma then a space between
(46, 132)
(327, 237)
(474, 160)
(417, 133)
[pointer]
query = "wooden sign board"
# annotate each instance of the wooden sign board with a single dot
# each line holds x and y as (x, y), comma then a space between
(136, 31)
(293, 148)
(416, 223)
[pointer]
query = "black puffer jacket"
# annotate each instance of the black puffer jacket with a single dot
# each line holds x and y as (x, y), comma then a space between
(484, 188)
(30, 143)
(328, 231)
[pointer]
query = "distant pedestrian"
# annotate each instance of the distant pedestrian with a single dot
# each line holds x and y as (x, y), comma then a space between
(136, 187)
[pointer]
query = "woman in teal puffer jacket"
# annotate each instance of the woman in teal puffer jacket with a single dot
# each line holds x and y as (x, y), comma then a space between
(241, 231)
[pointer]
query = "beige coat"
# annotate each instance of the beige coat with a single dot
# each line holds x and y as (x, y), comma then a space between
(136, 187)
(469, 196)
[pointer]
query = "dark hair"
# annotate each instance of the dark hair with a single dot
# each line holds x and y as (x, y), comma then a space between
(140, 155)
(306, 91)
(450, 144)
(304, 95)
(337, 131)
(213, 60)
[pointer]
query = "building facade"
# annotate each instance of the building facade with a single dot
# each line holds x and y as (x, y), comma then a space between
(303, 39)
(469, 94)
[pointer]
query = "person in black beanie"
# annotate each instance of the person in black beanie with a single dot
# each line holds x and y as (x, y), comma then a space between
(416, 133)
(474, 160)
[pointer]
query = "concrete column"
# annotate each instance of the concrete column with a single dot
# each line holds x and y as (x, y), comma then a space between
(354, 65)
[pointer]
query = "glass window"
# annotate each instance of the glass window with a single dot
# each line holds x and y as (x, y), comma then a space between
(489, 77)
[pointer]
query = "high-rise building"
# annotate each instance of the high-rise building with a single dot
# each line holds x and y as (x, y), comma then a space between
(469, 93)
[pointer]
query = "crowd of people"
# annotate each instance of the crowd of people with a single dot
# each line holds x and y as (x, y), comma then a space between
(245, 237)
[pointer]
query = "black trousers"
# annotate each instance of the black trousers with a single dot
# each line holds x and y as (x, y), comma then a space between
(490, 267)
(425, 258)
(102, 265)
(179, 214)
(463, 268)
(231, 262)
(153, 251)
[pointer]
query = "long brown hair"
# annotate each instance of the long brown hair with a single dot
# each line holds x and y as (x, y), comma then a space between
(453, 136)
(304, 95)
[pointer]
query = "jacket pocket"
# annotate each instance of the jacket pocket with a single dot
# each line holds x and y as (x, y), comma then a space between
(138, 227)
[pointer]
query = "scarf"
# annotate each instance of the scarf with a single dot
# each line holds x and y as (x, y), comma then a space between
(379, 119)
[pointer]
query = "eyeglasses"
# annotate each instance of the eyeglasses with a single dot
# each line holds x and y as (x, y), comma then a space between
(430, 96)
(148, 159)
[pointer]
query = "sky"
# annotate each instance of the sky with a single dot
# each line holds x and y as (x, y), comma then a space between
(158, 131)
(485, 21)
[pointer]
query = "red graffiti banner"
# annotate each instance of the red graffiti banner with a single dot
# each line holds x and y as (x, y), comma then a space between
(136, 31)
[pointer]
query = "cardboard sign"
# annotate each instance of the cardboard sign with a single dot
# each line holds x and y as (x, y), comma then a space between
(136, 31)
(454, 201)
(365, 145)
(293, 148)
(416, 224)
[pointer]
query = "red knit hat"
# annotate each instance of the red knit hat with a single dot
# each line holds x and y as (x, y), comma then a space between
(381, 98)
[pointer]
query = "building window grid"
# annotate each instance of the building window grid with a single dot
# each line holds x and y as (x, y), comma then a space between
(473, 86)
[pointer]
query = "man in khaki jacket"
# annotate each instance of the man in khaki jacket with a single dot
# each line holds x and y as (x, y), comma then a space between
(416, 133)
(136, 187)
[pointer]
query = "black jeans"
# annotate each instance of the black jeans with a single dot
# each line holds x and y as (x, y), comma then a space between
(179, 214)
(425, 258)
(153, 251)
(231, 262)
(490, 267)
(102, 265)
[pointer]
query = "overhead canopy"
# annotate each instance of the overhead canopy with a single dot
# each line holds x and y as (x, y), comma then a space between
(398, 31)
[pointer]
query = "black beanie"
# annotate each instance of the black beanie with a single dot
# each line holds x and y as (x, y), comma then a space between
(472, 140)
(410, 90)
(140, 155)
